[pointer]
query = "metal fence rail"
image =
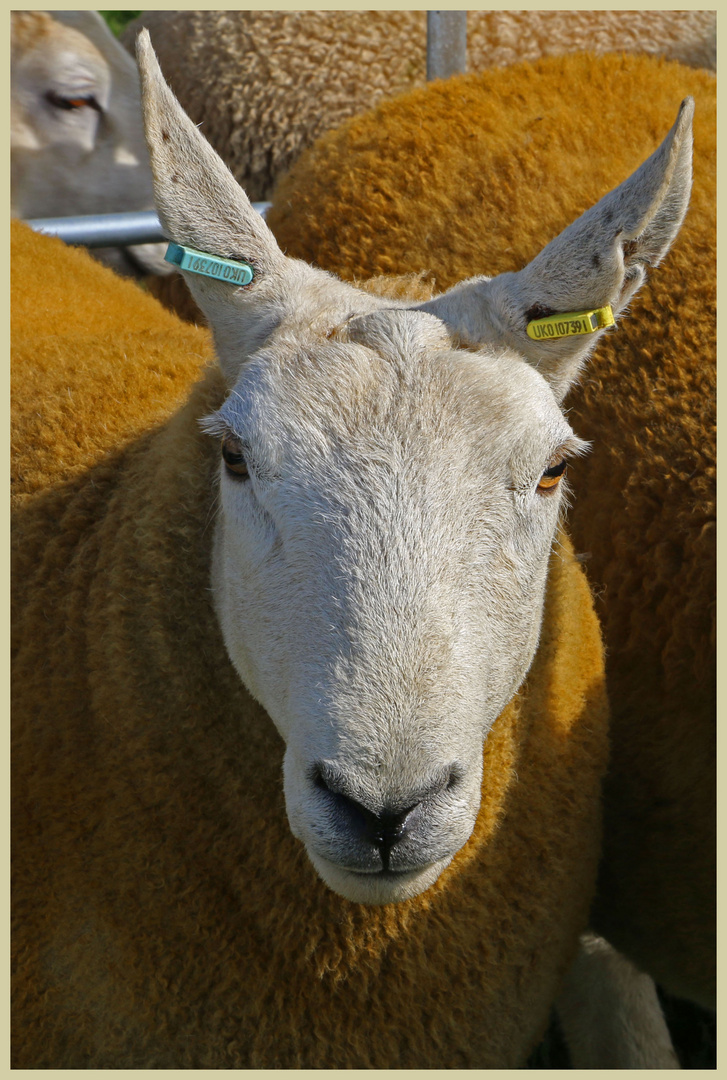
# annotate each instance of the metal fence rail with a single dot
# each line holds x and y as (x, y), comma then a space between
(446, 44)
(111, 230)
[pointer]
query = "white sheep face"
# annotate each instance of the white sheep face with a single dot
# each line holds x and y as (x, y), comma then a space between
(379, 578)
(379, 574)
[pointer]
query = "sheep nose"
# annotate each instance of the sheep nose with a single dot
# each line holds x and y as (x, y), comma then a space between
(383, 829)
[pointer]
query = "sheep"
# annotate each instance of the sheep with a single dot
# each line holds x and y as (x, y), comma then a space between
(442, 180)
(76, 137)
(301, 557)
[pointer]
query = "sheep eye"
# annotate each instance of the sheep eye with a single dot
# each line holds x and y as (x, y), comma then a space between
(552, 476)
(69, 104)
(234, 458)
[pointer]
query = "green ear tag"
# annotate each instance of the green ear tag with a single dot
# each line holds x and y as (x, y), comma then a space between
(197, 262)
(570, 323)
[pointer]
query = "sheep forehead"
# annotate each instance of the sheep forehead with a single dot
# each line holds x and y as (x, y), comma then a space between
(397, 331)
(393, 377)
(64, 51)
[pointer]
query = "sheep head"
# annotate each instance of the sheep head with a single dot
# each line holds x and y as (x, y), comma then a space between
(391, 481)
(76, 136)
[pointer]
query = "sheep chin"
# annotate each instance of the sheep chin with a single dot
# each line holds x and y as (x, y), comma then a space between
(381, 888)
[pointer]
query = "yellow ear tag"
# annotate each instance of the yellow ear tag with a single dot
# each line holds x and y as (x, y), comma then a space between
(570, 324)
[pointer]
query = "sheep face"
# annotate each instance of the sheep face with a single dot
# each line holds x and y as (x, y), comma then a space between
(77, 142)
(379, 572)
(389, 494)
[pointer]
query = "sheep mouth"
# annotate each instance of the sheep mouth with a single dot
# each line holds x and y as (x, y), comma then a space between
(383, 872)
(385, 875)
(378, 886)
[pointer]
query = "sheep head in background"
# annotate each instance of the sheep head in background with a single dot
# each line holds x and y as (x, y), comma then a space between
(77, 142)
(379, 574)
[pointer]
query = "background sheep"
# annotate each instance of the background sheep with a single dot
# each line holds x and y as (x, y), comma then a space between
(182, 927)
(76, 137)
(443, 180)
(302, 73)
(266, 84)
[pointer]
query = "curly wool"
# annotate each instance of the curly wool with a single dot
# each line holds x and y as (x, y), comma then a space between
(265, 84)
(165, 917)
(475, 176)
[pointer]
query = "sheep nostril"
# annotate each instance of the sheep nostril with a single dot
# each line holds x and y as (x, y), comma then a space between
(319, 780)
(453, 779)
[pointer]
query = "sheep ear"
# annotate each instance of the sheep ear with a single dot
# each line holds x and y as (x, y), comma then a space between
(201, 206)
(599, 260)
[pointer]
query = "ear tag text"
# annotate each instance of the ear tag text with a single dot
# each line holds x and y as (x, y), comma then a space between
(571, 323)
(198, 262)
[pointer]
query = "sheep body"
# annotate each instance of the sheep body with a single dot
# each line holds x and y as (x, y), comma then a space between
(182, 925)
(266, 84)
(442, 181)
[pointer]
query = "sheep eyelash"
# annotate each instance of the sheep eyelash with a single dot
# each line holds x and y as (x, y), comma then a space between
(562, 488)
(216, 426)
(73, 103)
(573, 447)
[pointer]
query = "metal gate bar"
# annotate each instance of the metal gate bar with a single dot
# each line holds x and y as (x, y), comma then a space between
(446, 44)
(111, 230)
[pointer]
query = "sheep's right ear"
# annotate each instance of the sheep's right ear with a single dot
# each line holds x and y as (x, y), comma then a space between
(201, 206)
(596, 264)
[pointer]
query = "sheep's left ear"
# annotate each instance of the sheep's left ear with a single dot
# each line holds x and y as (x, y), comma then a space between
(598, 261)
